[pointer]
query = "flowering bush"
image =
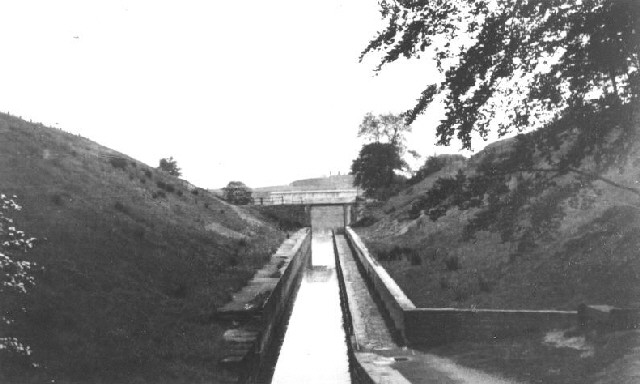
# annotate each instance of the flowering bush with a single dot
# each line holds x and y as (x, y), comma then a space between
(15, 274)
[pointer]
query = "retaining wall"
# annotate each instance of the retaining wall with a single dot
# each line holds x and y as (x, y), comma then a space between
(396, 303)
(280, 298)
(433, 326)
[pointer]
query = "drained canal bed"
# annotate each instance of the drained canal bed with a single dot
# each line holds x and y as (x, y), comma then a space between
(314, 348)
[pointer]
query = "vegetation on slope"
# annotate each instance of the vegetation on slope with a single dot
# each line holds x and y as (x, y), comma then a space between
(134, 263)
(550, 219)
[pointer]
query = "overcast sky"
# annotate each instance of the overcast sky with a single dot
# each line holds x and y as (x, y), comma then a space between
(265, 92)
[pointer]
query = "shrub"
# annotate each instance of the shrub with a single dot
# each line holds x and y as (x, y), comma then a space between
(236, 192)
(366, 221)
(179, 193)
(166, 186)
(206, 205)
(170, 166)
(121, 207)
(158, 194)
(415, 258)
(148, 173)
(118, 162)
(452, 263)
(432, 165)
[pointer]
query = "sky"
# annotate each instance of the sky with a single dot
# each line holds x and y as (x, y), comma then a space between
(261, 92)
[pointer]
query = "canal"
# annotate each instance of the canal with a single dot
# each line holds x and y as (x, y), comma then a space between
(314, 349)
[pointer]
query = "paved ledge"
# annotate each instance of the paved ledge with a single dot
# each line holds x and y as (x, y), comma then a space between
(258, 307)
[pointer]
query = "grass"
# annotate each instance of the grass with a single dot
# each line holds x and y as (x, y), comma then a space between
(531, 239)
(532, 360)
(131, 277)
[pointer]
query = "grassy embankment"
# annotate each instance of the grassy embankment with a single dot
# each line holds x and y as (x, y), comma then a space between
(547, 220)
(135, 263)
(541, 221)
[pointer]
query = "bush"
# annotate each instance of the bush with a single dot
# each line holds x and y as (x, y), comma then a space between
(118, 162)
(432, 165)
(415, 258)
(148, 173)
(236, 192)
(170, 166)
(121, 207)
(366, 221)
(166, 186)
(158, 194)
(452, 263)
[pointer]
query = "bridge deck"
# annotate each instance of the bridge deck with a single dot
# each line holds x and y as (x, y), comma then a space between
(307, 197)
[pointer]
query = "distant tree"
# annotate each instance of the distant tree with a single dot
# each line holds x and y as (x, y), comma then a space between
(170, 166)
(432, 165)
(385, 128)
(374, 168)
(236, 192)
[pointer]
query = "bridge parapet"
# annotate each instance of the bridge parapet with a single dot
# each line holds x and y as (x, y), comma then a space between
(313, 197)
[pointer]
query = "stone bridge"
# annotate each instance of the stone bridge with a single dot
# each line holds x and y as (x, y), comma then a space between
(328, 208)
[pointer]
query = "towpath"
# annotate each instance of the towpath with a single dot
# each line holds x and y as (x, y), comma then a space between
(375, 349)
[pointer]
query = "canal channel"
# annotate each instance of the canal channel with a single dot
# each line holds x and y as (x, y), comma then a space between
(314, 346)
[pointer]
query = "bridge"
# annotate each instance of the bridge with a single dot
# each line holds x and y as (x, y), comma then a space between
(307, 197)
(327, 208)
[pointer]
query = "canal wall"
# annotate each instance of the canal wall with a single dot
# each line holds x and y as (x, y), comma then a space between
(435, 326)
(258, 311)
(394, 300)
(283, 293)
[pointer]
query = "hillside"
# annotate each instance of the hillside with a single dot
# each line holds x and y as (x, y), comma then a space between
(549, 219)
(132, 264)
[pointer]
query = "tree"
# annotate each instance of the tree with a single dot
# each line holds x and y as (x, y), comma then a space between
(515, 63)
(170, 166)
(387, 128)
(374, 168)
(236, 192)
(16, 279)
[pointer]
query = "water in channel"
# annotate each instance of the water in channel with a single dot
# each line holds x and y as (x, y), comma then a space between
(314, 349)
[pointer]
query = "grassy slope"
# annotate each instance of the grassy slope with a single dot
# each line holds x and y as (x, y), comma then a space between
(585, 251)
(130, 282)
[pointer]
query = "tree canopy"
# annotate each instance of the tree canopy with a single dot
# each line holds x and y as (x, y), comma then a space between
(388, 128)
(515, 63)
(374, 168)
(170, 166)
(236, 192)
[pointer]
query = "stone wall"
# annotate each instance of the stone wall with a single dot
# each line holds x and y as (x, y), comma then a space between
(433, 326)
(284, 292)
(391, 295)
